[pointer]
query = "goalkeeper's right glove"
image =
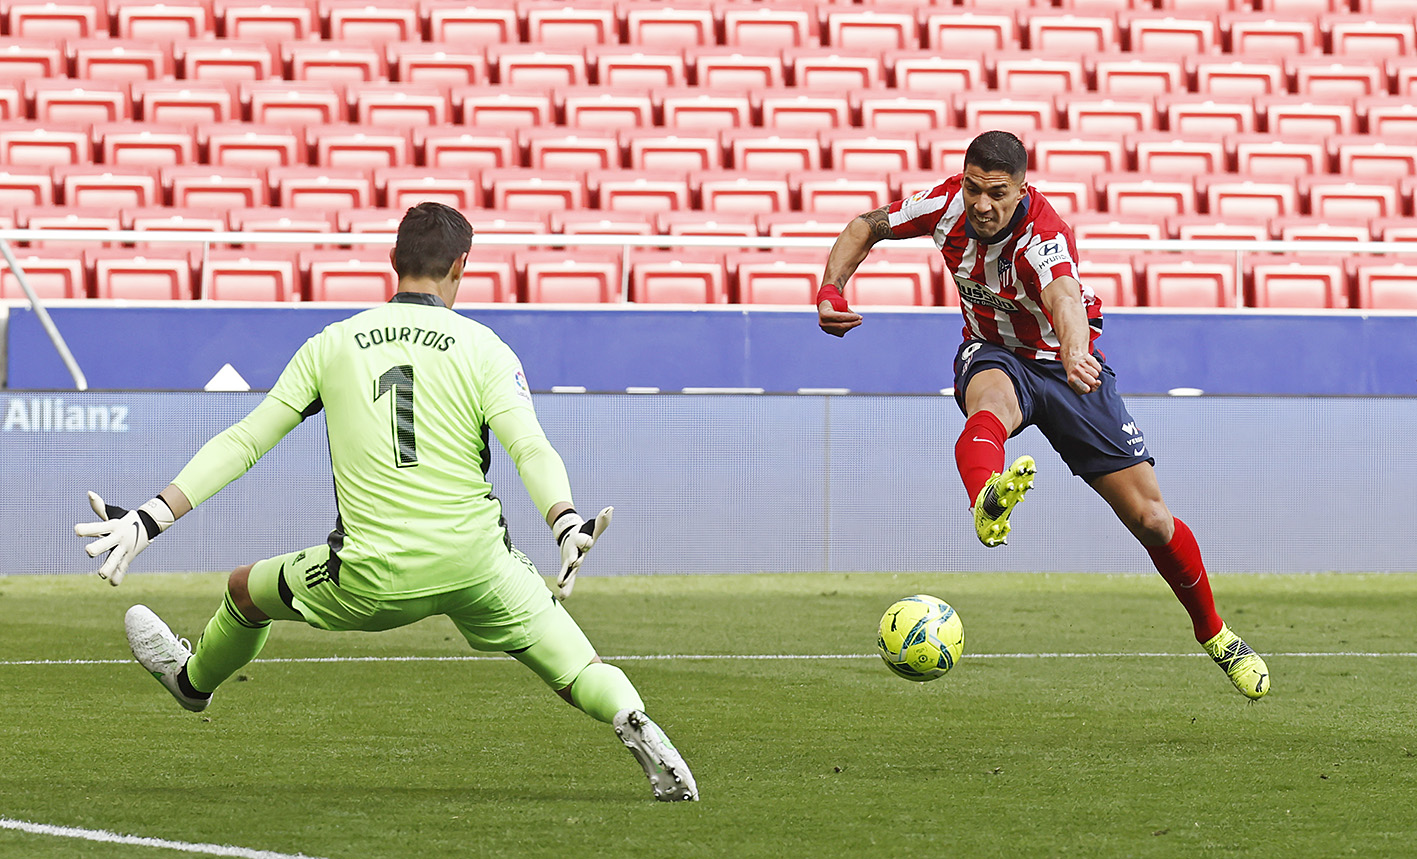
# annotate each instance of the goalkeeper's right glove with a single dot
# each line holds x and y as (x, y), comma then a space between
(122, 533)
(575, 536)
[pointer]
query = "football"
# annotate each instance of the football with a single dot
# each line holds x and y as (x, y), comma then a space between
(921, 637)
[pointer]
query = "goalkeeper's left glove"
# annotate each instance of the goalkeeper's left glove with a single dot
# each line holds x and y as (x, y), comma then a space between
(575, 536)
(122, 533)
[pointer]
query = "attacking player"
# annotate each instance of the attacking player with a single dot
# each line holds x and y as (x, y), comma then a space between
(1028, 358)
(410, 390)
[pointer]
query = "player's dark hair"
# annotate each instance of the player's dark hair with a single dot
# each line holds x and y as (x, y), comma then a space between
(997, 150)
(431, 238)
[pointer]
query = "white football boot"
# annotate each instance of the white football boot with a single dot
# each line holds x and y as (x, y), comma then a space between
(161, 653)
(668, 775)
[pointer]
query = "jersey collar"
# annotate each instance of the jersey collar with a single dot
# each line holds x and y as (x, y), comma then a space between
(1019, 214)
(417, 298)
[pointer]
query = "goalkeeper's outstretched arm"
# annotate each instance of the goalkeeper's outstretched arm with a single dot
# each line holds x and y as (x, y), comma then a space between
(124, 533)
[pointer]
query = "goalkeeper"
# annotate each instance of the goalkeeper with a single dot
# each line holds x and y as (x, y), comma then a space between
(410, 390)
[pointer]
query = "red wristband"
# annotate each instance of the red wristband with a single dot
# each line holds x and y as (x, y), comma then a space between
(829, 292)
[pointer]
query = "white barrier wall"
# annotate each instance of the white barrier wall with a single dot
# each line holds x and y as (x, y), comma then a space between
(744, 483)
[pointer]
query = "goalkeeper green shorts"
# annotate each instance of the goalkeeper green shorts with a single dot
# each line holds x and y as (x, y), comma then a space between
(514, 612)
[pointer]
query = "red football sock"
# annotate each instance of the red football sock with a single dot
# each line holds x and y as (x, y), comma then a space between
(979, 453)
(1179, 563)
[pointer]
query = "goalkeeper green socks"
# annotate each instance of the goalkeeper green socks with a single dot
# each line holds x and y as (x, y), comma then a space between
(603, 690)
(229, 642)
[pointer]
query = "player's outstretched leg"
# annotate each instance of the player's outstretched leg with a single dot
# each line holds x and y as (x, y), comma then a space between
(163, 654)
(668, 775)
(1242, 665)
(998, 499)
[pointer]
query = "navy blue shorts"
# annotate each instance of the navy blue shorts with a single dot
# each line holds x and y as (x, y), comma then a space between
(1093, 433)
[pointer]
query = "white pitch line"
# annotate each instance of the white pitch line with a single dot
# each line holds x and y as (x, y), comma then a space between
(730, 657)
(139, 841)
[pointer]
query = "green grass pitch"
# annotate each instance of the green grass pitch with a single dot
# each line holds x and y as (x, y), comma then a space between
(1082, 721)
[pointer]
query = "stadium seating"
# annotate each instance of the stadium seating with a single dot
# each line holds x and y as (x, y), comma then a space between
(680, 276)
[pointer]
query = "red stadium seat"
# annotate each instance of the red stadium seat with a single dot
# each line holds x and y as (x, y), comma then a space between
(829, 68)
(644, 191)
(404, 187)
(55, 19)
(983, 30)
(695, 223)
(353, 145)
(882, 27)
(459, 23)
(1245, 199)
(929, 72)
(780, 277)
(839, 192)
(1309, 228)
(251, 275)
(1262, 155)
(163, 272)
(664, 149)
(1161, 33)
(679, 25)
(1369, 157)
(26, 143)
(1022, 116)
(692, 107)
(101, 186)
(335, 61)
(162, 21)
(1068, 196)
(1202, 116)
(436, 63)
(734, 69)
(1161, 153)
(1027, 74)
(222, 188)
(1210, 228)
(358, 274)
(1369, 38)
(31, 59)
(592, 222)
(51, 273)
(679, 276)
(1111, 277)
(1338, 197)
(535, 190)
(281, 220)
(513, 108)
(1296, 281)
(1199, 281)
(246, 144)
(796, 110)
(1063, 152)
(1071, 34)
(78, 102)
(369, 220)
(262, 21)
(741, 192)
(325, 188)
(1088, 226)
(867, 149)
(120, 59)
(25, 186)
(1382, 285)
(1148, 195)
(554, 23)
(606, 108)
(1107, 117)
(796, 225)
(294, 104)
(1227, 77)
(754, 26)
(162, 219)
(402, 105)
(144, 145)
(488, 277)
(528, 65)
(887, 111)
(466, 148)
(209, 59)
(184, 102)
(1299, 115)
(487, 222)
(1335, 77)
(622, 66)
(769, 149)
(572, 276)
(901, 278)
(1389, 117)
(558, 148)
(1260, 34)
(370, 23)
(1121, 75)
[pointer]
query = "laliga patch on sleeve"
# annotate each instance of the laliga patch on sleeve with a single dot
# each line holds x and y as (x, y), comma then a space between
(1048, 253)
(523, 389)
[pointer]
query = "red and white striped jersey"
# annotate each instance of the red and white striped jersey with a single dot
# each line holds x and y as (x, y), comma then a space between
(1000, 281)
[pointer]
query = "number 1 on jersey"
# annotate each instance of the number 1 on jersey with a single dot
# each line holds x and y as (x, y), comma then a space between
(399, 379)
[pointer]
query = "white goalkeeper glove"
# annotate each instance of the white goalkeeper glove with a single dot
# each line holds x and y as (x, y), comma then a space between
(575, 536)
(122, 533)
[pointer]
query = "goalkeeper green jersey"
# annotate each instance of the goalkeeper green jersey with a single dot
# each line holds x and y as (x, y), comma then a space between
(408, 389)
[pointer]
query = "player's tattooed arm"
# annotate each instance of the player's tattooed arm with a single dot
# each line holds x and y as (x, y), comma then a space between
(879, 223)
